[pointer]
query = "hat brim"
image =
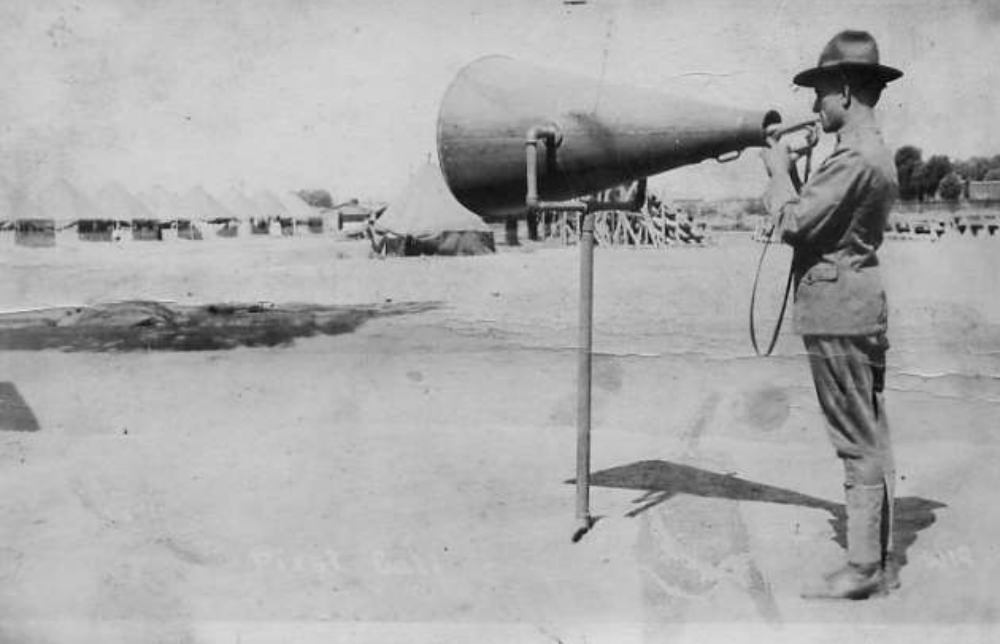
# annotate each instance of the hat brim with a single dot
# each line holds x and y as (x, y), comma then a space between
(882, 73)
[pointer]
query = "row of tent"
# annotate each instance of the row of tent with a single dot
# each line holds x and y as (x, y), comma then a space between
(424, 219)
(36, 218)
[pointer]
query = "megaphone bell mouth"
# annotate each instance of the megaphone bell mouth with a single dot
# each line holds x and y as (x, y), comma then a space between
(602, 134)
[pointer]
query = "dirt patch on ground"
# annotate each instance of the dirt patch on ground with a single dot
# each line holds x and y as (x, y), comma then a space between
(159, 326)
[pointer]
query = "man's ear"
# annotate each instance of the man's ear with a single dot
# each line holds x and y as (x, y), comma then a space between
(846, 95)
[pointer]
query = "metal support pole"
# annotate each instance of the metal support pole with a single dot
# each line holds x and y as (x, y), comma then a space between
(584, 355)
(549, 136)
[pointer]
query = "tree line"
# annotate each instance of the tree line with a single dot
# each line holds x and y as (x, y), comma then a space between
(317, 198)
(939, 176)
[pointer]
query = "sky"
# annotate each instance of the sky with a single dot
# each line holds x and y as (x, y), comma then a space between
(343, 95)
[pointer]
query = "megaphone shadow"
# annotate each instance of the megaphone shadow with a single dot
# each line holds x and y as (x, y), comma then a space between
(662, 480)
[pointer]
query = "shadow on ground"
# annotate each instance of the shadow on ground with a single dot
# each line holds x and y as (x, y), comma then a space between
(160, 326)
(663, 480)
(15, 413)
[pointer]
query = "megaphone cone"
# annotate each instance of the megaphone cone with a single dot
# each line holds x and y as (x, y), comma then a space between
(602, 134)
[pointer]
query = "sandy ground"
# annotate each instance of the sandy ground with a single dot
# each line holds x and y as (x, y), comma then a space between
(408, 481)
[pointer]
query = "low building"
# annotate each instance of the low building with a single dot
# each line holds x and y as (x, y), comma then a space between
(352, 215)
(984, 191)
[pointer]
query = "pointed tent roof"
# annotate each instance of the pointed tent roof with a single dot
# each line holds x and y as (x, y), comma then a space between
(115, 201)
(239, 204)
(6, 204)
(268, 205)
(15, 203)
(64, 203)
(160, 201)
(198, 204)
(427, 207)
(296, 206)
(17, 206)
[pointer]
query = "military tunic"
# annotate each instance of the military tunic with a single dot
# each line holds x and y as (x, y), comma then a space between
(835, 226)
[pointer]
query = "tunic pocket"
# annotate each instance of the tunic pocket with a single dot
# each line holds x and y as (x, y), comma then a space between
(823, 272)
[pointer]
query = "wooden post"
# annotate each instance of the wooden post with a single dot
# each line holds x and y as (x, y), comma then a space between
(629, 233)
(510, 228)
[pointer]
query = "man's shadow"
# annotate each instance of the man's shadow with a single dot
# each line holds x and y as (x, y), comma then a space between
(662, 480)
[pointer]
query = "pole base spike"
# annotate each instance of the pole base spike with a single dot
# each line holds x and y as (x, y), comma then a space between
(583, 528)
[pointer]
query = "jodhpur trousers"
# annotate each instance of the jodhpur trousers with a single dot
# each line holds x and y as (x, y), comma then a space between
(849, 375)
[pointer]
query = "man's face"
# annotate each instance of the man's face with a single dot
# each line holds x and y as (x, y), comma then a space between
(830, 103)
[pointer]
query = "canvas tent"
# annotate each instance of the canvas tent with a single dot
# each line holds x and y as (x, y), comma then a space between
(20, 214)
(268, 204)
(198, 206)
(159, 201)
(162, 203)
(68, 207)
(31, 226)
(241, 206)
(115, 201)
(270, 209)
(427, 220)
(302, 213)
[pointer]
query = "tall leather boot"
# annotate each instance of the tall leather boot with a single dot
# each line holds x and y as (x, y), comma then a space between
(863, 576)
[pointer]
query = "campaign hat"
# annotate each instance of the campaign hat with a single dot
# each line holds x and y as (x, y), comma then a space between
(850, 51)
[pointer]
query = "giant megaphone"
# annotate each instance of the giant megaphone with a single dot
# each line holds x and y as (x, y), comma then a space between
(595, 134)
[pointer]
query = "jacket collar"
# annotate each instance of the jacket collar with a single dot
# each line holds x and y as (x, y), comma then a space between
(853, 131)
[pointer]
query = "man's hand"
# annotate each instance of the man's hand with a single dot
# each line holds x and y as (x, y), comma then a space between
(777, 158)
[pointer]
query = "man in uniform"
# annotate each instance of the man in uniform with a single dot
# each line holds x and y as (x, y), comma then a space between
(835, 223)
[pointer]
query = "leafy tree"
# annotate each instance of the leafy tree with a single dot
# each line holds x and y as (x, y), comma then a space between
(968, 168)
(951, 187)
(976, 168)
(908, 166)
(935, 169)
(317, 198)
(917, 180)
(992, 175)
